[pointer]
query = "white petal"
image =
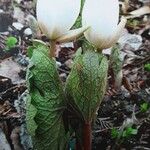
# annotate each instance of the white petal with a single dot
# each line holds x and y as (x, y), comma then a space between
(102, 16)
(72, 35)
(107, 42)
(110, 41)
(56, 17)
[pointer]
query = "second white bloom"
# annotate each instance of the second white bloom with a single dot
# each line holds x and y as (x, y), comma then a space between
(102, 16)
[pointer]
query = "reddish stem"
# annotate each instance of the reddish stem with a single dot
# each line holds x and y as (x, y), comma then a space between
(87, 136)
(78, 146)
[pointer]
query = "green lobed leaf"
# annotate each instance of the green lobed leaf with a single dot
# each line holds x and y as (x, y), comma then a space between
(86, 84)
(47, 101)
(37, 44)
(30, 114)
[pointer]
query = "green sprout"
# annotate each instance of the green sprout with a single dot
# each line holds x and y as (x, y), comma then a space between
(10, 43)
(114, 133)
(126, 133)
(147, 67)
(144, 107)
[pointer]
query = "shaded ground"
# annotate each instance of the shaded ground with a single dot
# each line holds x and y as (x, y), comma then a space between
(119, 107)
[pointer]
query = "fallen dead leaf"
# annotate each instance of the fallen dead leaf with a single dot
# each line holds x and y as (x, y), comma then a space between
(11, 70)
(132, 40)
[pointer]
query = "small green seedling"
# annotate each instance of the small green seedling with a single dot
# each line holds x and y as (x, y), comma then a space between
(114, 133)
(126, 133)
(147, 67)
(144, 107)
(10, 43)
(122, 135)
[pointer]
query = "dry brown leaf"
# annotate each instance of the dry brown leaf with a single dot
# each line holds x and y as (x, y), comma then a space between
(11, 70)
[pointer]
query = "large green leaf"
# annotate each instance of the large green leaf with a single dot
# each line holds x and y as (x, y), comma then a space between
(47, 102)
(86, 84)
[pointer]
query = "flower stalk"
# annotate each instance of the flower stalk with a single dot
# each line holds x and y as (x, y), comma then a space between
(87, 136)
(52, 50)
(78, 145)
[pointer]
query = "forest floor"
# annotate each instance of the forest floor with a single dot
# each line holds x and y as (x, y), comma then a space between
(123, 121)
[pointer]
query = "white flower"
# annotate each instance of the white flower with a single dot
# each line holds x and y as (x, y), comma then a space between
(102, 16)
(56, 17)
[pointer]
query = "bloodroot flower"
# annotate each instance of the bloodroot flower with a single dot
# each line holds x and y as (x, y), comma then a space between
(56, 17)
(102, 16)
